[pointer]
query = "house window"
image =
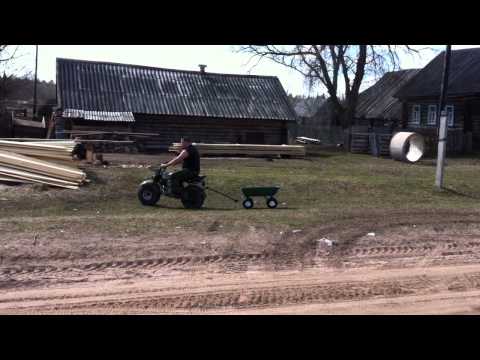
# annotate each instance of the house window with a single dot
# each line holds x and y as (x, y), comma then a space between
(415, 118)
(432, 115)
(450, 115)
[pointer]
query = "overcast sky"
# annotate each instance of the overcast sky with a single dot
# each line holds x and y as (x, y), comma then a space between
(218, 58)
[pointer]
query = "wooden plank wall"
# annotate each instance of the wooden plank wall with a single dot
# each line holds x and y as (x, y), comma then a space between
(475, 116)
(28, 132)
(329, 135)
(6, 127)
(89, 125)
(459, 113)
(208, 130)
(455, 140)
(362, 140)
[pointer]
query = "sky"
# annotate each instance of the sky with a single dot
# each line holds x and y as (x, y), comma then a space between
(218, 58)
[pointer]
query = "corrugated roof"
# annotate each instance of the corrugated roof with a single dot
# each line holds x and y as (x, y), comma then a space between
(99, 115)
(122, 88)
(464, 77)
(378, 101)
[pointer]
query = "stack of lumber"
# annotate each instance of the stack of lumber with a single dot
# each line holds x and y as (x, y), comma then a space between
(246, 150)
(118, 133)
(40, 162)
(60, 150)
(313, 147)
(307, 140)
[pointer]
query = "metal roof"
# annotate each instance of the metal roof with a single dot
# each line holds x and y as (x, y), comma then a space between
(122, 88)
(378, 102)
(464, 77)
(99, 115)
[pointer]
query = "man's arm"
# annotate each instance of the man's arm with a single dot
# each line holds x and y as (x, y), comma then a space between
(182, 156)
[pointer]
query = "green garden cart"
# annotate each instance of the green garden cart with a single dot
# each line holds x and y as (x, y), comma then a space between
(266, 192)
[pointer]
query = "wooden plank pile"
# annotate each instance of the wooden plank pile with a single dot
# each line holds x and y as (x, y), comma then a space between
(313, 147)
(112, 141)
(307, 140)
(61, 150)
(44, 162)
(82, 133)
(297, 151)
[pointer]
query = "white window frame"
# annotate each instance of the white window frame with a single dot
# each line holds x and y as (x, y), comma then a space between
(450, 119)
(416, 110)
(432, 115)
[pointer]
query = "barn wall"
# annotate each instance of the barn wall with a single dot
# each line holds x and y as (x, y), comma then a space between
(6, 128)
(91, 125)
(210, 130)
(475, 117)
(466, 117)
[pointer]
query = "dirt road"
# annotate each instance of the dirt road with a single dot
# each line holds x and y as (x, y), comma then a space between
(441, 276)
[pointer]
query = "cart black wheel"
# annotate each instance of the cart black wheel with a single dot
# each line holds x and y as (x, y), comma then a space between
(248, 203)
(149, 194)
(272, 203)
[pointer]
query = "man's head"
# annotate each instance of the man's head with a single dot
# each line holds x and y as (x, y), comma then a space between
(186, 142)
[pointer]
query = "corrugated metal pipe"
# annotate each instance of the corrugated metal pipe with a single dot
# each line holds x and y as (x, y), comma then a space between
(407, 146)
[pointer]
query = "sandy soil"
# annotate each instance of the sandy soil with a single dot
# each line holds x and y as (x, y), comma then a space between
(405, 269)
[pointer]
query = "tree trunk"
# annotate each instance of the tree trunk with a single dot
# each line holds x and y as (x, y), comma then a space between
(347, 120)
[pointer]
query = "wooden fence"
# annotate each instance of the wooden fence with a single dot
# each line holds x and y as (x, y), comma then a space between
(376, 141)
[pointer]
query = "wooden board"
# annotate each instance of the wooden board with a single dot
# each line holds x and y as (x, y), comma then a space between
(33, 177)
(4, 178)
(28, 123)
(22, 162)
(246, 149)
(61, 151)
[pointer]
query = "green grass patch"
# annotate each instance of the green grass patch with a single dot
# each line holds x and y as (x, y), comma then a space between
(313, 192)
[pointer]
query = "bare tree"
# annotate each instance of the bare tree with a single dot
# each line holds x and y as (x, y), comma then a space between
(7, 53)
(339, 68)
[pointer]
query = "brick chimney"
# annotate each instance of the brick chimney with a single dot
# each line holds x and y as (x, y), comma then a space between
(202, 68)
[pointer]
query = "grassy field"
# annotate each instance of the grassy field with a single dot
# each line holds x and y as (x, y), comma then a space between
(313, 192)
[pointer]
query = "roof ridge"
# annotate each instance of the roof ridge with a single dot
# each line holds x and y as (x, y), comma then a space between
(163, 69)
(466, 49)
(464, 63)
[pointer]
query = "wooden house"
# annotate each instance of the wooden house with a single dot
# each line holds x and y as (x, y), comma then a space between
(377, 110)
(420, 98)
(378, 113)
(208, 107)
(377, 105)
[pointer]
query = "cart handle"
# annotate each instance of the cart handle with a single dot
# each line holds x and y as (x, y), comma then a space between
(218, 192)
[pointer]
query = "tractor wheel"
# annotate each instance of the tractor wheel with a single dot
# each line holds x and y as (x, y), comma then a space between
(148, 194)
(272, 203)
(248, 203)
(193, 197)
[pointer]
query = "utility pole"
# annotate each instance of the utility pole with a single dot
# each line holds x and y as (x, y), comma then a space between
(442, 120)
(35, 84)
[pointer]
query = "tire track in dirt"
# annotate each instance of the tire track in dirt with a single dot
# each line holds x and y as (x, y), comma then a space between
(245, 298)
(273, 296)
(143, 263)
(239, 262)
(407, 249)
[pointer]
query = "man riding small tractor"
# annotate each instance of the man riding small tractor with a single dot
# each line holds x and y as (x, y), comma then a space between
(185, 184)
(188, 186)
